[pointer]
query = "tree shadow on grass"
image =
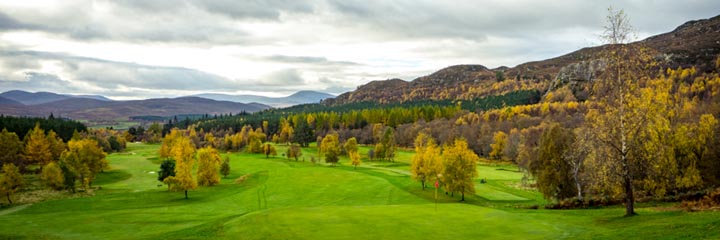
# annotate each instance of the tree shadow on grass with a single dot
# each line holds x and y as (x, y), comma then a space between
(111, 176)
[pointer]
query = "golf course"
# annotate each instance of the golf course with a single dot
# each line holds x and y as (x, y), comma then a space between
(279, 198)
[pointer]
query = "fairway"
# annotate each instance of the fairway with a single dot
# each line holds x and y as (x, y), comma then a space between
(284, 199)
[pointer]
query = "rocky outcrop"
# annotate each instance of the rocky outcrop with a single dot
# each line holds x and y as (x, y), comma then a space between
(577, 74)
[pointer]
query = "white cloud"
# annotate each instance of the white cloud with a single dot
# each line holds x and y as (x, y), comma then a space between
(136, 48)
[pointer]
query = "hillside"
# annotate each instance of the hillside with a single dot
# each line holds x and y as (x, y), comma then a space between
(95, 110)
(301, 97)
(691, 44)
(29, 98)
(7, 101)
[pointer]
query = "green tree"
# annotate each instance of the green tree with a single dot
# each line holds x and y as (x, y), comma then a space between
(499, 76)
(552, 170)
(10, 147)
(183, 152)
(303, 133)
(225, 167)
(11, 180)
(459, 168)
(208, 164)
(167, 169)
(52, 176)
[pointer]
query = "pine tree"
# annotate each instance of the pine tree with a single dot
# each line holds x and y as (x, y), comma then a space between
(167, 169)
(225, 167)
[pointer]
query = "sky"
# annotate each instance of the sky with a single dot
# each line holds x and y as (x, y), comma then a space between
(138, 49)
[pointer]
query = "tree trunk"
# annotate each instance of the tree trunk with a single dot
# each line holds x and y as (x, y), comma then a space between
(186, 194)
(576, 170)
(423, 184)
(8, 197)
(629, 198)
(462, 199)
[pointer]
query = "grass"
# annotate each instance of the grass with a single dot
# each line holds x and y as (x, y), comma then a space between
(284, 199)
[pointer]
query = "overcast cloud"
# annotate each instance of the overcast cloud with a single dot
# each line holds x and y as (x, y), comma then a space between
(131, 49)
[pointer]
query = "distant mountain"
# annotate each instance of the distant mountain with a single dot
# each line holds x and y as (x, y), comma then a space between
(693, 44)
(300, 97)
(95, 110)
(29, 98)
(7, 101)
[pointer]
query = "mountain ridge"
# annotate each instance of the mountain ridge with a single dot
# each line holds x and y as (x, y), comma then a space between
(692, 44)
(34, 98)
(300, 97)
(95, 110)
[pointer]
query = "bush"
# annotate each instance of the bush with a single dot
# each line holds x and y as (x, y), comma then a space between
(573, 203)
(53, 176)
(711, 201)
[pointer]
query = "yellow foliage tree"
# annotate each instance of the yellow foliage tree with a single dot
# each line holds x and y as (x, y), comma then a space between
(37, 147)
(330, 148)
(294, 151)
(498, 147)
(167, 143)
(57, 146)
(208, 163)
(10, 147)
(459, 168)
(85, 159)
(11, 180)
(351, 147)
(426, 163)
(182, 151)
(52, 176)
(269, 150)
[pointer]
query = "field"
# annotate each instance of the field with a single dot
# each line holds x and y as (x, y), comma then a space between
(283, 199)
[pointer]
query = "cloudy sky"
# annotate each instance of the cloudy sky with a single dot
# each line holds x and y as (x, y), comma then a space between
(131, 49)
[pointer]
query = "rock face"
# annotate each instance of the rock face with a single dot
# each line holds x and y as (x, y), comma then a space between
(576, 75)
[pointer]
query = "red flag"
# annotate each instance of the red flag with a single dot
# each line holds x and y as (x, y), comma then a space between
(437, 184)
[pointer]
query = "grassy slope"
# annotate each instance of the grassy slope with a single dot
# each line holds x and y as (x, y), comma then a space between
(297, 200)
